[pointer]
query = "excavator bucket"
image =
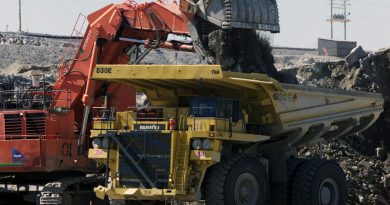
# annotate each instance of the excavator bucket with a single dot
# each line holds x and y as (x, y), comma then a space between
(242, 14)
(225, 32)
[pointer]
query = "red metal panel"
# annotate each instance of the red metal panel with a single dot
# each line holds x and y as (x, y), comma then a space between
(15, 124)
(60, 125)
(63, 155)
(43, 156)
(24, 132)
(148, 16)
(20, 153)
(120, 96)
(2, 126)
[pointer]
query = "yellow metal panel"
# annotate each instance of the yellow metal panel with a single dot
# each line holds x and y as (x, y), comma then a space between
(100, 192)
(164, 83)
(137, 192)
(104, 125)
(101, 154)
(214, 124)
(185, 77)
(161, 72)
(124, 119)
(96, 133)
(204, 155)
(229, 136)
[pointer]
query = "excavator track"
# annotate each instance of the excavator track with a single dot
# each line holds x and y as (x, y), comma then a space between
(60, 191)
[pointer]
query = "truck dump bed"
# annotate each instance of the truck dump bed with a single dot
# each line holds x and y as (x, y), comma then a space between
(289, 114)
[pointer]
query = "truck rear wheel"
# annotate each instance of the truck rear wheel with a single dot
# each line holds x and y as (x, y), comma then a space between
(238, 181)
(319, 182)
(283, 197)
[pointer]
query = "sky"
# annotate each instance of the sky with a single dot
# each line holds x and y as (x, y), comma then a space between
(302, 22)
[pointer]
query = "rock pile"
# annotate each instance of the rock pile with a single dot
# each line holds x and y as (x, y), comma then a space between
(340, 74)
(20, 54)
(25, 50)
(19, 40)
(11, 81)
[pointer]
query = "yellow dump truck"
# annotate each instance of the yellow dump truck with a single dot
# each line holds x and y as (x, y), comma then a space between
(223, 137)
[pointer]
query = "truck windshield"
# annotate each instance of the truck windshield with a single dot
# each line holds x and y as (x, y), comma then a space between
(216, 107)
(204, 107)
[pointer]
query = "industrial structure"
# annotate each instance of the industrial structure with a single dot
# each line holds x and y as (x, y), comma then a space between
(208, 134)
(44, 130)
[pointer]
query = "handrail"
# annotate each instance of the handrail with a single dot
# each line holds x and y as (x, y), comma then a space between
(103, 114)
(32, 137)
(27, 99)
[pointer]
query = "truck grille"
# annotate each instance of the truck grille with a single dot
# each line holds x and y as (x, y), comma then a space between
(13, 124)
(35, 124)
(152, 151)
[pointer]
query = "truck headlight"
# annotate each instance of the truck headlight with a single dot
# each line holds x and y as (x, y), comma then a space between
(96, 143)
(207, 144)
(196, 144)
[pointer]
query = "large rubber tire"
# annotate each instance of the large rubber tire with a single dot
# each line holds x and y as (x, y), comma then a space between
(129, 202)
(240, 180)
(284, 195)
(13, 198)
(319, 182)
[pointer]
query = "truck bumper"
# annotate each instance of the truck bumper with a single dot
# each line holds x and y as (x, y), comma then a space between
(142, 194)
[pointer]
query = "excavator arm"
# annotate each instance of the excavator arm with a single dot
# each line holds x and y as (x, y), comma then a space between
(111, 32)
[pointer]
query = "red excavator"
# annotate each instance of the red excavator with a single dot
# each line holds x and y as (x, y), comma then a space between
(44, 130)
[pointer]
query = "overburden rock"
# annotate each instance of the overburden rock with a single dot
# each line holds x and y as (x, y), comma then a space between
(355, 56)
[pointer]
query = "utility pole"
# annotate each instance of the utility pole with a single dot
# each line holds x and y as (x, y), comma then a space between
(338, 14)
(345, 20)
(331, 17)
(20, 15)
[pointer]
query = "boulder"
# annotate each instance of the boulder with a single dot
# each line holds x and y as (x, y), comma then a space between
(354, 57)
(67, 45)
(36, 43)
(11, 40)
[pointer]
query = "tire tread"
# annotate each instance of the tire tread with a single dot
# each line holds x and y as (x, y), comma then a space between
(301, 193)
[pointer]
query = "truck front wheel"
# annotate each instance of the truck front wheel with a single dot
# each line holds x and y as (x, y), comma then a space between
(319, 182)
(238, 181)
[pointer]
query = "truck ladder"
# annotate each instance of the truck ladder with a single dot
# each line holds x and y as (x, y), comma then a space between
(180, 162)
